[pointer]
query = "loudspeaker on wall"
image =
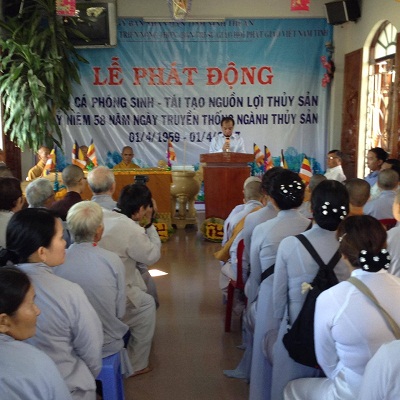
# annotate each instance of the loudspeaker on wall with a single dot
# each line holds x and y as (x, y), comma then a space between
(339, 12)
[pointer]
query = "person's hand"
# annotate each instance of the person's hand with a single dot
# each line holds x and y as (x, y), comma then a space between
(149, 213)
(148, 217)
(154, 206)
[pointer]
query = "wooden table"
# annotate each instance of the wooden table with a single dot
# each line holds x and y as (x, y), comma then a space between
(159, 183)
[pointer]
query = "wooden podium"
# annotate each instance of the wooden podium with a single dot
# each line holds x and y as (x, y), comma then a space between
(224, 175)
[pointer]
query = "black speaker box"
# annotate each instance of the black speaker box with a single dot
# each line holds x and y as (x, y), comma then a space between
(339, 12)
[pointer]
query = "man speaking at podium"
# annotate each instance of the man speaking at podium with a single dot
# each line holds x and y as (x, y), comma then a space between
(227, 140)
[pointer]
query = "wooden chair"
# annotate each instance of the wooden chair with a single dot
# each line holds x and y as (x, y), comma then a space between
(238, 284)
(388, 223)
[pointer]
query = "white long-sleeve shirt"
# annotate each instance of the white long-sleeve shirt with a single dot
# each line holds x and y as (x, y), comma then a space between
(349, 328)
(26, 373)
(101, 274)
(236, 144)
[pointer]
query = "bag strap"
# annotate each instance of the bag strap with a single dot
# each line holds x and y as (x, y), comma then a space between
(362, 287)
(268, 272)
(332, 262)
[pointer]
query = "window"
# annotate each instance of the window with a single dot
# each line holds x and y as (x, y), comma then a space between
(381, 78)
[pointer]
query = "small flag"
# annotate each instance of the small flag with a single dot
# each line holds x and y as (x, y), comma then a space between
(258, 156)
(268, 161)
(283, 161)
(92, 153)
(81, 156)
(51, 162)
(171, 155)
(77, 156)
(305, 172)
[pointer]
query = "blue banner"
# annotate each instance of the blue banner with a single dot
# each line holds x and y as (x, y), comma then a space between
(177, 80)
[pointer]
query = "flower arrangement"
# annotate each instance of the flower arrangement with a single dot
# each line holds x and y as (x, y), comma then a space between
(328, 64)
(213, 229)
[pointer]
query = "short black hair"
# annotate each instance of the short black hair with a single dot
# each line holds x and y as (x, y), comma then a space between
(380, 153)
(227, 119)
(10, 192)
(132, 197)
(337, 153)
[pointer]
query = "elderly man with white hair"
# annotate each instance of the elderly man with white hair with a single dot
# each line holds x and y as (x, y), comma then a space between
(101, 181)
(40, 193)
(101, 275)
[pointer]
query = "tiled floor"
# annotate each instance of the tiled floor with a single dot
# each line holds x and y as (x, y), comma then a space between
(190, 348)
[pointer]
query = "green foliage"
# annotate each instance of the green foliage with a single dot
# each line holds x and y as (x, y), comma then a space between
(38, 67)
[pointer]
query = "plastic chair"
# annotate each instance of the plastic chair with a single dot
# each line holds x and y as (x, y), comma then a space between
(238, 284)
(111, 378)
(388, 223)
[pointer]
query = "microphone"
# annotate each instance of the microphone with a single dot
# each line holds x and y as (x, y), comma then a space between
(227, 141)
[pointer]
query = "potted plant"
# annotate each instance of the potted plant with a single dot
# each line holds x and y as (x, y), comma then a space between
(38, 67)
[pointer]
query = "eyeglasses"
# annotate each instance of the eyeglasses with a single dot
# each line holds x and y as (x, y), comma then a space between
(331, 157)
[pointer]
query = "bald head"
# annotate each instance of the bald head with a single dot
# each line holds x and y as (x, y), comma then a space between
(72, 176)
(252, 191)
(127, 154)
(101, 180)
(43, 153)
(315, 180)
(359, 191)
(388, 179)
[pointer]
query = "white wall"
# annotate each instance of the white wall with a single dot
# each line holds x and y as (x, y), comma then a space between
(220, 9)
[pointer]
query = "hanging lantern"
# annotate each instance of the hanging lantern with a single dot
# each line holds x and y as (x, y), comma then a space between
(180, 8)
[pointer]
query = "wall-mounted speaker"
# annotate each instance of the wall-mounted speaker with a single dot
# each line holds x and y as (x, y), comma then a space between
(96, 21)
(339, 12)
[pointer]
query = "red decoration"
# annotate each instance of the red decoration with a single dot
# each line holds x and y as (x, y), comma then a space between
(300, 5)
(330, 69)
(66, 7)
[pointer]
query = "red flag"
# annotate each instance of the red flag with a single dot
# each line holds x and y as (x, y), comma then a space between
(299, 5)
(268, 161)
(305, 172)
(92, 153)
(77, 156)
(258, 155)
